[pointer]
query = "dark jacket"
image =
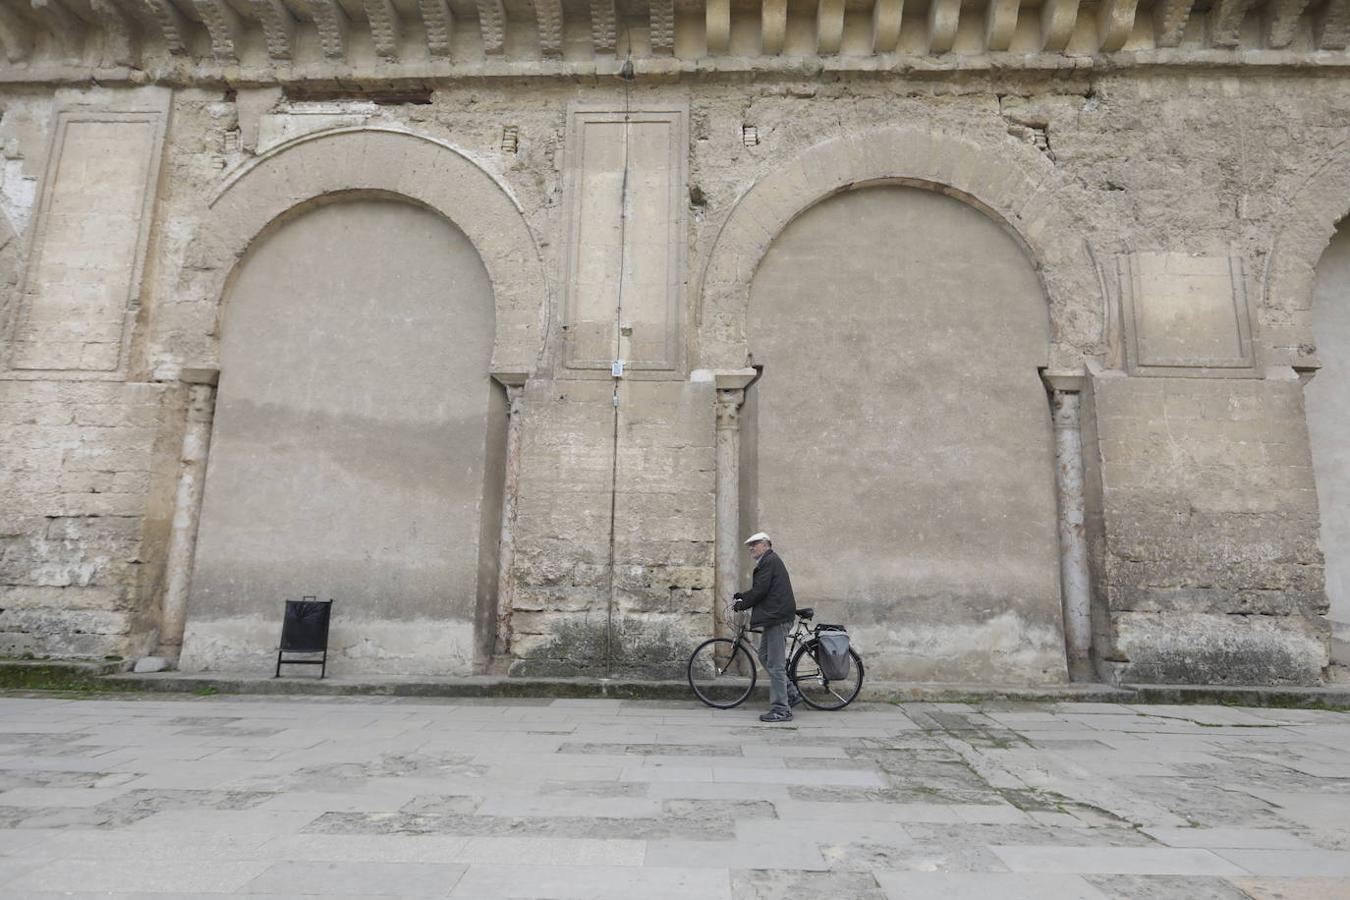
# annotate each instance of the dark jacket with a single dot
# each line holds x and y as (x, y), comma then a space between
(769, 599)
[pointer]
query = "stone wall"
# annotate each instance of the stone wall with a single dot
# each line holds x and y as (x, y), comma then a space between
(1205, 524)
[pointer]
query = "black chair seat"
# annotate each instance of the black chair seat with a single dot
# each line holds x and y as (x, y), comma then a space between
(805, 613)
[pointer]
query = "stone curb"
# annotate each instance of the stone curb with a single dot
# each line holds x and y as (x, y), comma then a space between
(111, 676)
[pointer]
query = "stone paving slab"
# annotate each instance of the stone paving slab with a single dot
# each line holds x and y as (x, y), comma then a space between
(318, 796)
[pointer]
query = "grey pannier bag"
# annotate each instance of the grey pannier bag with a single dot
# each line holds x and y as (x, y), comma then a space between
(834, 660)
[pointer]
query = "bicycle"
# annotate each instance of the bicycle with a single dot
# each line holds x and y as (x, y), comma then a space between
(721, 670)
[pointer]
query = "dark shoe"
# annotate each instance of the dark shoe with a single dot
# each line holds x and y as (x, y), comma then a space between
(795, 699)
(776, 715)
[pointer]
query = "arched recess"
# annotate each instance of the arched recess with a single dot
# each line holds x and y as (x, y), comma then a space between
(392, 162)
(406, 427)
(1304, 314)
(1013, 184)
(899, 444)
(1318, 199)
(1327, 399)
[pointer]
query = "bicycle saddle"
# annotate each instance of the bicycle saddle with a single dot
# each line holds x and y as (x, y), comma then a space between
(805, 613)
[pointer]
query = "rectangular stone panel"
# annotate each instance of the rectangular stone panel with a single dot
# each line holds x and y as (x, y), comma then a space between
(1185, 314)
(83, 276)
(625, 185)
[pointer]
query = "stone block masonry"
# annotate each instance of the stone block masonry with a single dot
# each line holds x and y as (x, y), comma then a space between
(1210, 535)
(85, 486)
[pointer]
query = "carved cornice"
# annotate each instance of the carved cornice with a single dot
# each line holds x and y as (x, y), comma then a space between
(283, 40)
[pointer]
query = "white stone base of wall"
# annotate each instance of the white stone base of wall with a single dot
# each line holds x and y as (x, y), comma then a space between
(361, 647)
(1003, 650)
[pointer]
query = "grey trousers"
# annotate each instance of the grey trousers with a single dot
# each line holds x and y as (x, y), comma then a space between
(773, 656)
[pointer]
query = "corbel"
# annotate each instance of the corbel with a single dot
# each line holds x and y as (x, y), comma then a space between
(604, 28)
(548, 15)
(439, 24)
(1225, 22)
(120, 42)
(1058, 18)
(717, 23)
(829, 26)
(1281, 24)
(772, 26)
(943, 18)
(1000, 21)
(278, 27)
(384, 27)
(1331, 27)
(331, 21)
(886, 16)
(222, 24)
(1115, 23)
(68, 29)
(492, 26)
(16, 34)
(172, 27)
(1169, 21)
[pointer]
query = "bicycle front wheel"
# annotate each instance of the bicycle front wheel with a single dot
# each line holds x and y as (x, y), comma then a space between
(721, 673)
(818, 691)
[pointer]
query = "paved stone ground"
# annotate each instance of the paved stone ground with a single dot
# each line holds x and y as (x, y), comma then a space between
(595, 799)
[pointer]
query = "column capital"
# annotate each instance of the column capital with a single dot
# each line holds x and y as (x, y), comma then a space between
(729, 408)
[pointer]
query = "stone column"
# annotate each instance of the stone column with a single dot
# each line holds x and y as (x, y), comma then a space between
(731, 386)
(1075, 579)
(506, 544)
(187, 509)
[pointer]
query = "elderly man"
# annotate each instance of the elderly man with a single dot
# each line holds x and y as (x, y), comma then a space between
(772, 608)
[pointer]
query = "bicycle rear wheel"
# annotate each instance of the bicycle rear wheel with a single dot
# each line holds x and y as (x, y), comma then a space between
(721, 685)
(818, 691)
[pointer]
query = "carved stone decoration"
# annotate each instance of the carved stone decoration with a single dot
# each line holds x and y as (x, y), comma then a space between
(1169, 21)
(67, 28)
(492, 26)
(829, 26)
(1282, 21)
(439, 24)
(278, 27)
(170, 22)
(331, 22)
(661, 27)
(1225, 22)
(717, 22)
(222, 23)
(943, 17)
(1115, 24)
(549, 16)
(384, 27)
(1000, 22)
(886, 16)
(1331, 28)
(119, 38)
(1057, 20)
(604, 28)
(15, 34)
